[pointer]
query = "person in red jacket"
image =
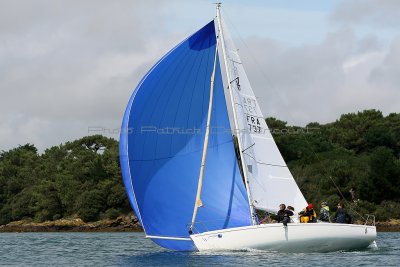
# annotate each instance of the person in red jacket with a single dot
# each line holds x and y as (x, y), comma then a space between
(308, 215)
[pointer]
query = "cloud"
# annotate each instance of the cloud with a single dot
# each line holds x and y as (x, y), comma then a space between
(388, 73)
(343, 73)
(68, 66)
(373, 12)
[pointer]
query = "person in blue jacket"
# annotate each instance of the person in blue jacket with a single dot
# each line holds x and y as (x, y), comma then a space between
(341, 215)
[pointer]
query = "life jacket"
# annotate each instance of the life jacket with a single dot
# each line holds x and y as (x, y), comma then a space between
(304, 219)
(307, 216)
(324, 214)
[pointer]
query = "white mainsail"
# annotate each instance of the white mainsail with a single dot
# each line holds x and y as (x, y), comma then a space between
(270, 181)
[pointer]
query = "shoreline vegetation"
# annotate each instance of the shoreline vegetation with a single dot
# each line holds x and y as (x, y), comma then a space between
(77, 186)
(121, 224)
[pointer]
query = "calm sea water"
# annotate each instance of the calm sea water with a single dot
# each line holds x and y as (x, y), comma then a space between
(132, 249)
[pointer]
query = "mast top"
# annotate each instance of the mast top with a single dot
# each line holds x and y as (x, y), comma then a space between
(218, 9)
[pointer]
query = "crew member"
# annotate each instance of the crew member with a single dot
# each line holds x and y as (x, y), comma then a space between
(308, 215)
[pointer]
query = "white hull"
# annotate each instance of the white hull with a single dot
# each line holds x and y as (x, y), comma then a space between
(296, 237)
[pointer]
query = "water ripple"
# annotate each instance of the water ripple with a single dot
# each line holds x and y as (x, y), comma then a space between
(132, 249)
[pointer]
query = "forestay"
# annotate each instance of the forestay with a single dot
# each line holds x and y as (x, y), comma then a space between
(270, 180)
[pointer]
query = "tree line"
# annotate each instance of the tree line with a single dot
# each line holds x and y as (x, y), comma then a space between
(354, 159)
(80, 178)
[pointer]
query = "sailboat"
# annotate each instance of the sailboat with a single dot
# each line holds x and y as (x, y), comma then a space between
(182, 177)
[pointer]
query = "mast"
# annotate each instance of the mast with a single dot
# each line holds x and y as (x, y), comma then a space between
(221, 35)
(198, 202)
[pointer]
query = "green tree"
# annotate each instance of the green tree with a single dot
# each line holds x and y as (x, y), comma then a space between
(384, 182)
(90, 204)
(359, 153)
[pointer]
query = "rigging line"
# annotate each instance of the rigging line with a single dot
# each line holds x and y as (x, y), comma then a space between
(330, 177)
(263, 163)
(347, 203)
(249, 147)
(264, 75)
(340, 192)
(249, 196)
(260, 68)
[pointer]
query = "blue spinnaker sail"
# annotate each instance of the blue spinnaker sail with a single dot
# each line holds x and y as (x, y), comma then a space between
(161, 147)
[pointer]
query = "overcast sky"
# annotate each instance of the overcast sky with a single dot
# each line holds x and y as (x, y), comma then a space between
(67, 67)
